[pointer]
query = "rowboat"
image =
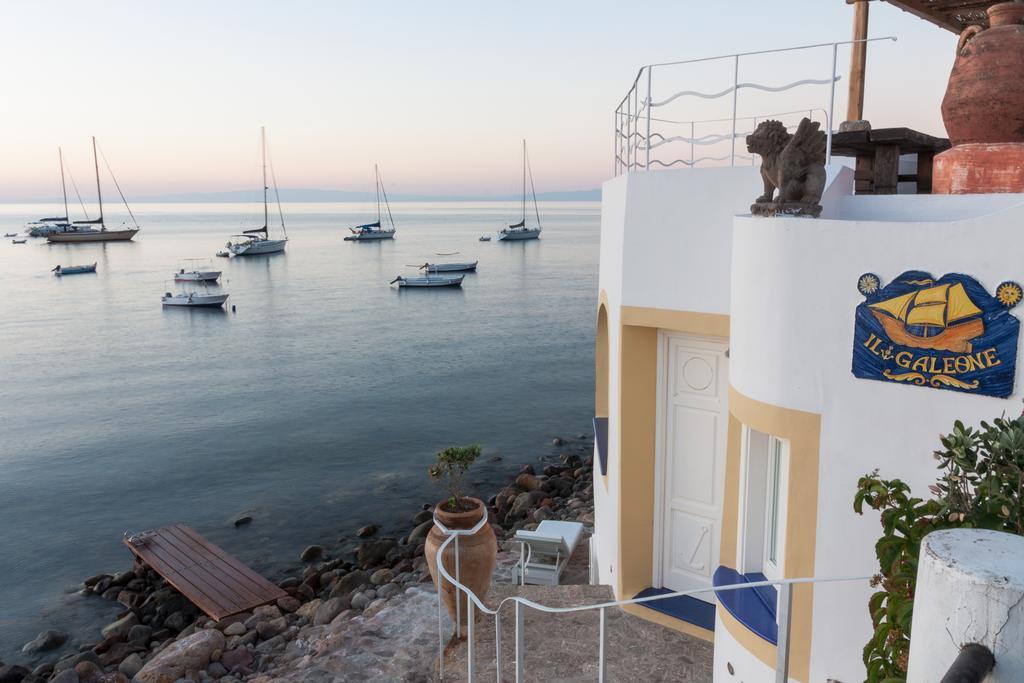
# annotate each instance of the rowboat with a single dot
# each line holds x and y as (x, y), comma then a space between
(485, 238)
(19, 241)
(451, 267)
(429, 281)
(10, 234)
(194, 300)
(74, 270)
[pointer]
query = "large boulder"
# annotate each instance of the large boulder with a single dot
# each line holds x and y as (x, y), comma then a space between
(121, 627)
(349, 583)
(47, 640)
(190, 654)
(12, 673)
(419, 534)
(373, 553)
(329, 609)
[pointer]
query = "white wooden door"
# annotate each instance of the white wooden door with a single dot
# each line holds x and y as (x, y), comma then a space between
(694, 423)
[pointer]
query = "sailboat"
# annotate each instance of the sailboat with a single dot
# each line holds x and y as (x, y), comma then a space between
(939, 317)
(519, 231)
(82, 231)
(374, 231)
(257, 241)
(52, 224)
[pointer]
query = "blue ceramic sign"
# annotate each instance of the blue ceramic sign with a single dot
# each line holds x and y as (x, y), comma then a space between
(948, 333)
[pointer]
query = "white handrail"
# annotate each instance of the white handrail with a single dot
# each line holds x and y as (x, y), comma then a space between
(474, 602)
(632, 108)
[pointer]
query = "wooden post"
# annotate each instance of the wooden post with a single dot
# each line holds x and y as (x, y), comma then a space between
(886, 169)
(858, 61)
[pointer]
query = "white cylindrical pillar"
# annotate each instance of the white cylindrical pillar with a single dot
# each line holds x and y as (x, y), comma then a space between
(970, 589)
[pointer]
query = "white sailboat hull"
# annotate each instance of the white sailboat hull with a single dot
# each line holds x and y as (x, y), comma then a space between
(254, 247)
(518, 234)
(194, 300)
(369, 236)
(92, 236)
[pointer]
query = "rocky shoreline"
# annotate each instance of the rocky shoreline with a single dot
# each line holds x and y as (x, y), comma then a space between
(160, 637)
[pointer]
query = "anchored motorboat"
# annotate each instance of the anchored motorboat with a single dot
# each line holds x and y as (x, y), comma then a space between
(19, 241)
(450, 267)
(485, 238)
(373, 231)
(519, 231)
(192, 271)
(74, 270)
(194, 300)
(257, 241)
(429, 281)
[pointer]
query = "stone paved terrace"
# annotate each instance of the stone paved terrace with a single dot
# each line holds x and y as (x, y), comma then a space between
(564, 647)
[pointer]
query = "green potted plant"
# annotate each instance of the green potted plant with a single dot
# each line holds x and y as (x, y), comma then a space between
(477, 552)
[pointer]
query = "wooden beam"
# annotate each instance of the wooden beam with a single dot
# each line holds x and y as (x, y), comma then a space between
(858, 62)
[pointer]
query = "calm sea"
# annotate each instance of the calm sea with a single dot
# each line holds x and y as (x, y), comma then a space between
(317, 405)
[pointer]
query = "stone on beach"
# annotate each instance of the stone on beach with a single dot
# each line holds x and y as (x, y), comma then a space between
(12, 673)
(121, 627)
(329, 609)
(47, 640)
(188, 654)
(372, 553)
(312, 553)
(366, 531)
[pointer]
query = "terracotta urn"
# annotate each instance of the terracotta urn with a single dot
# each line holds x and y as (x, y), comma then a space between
(984, 100)
(984, 108)
(477, 554)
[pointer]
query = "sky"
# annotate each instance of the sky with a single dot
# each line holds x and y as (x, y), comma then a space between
(440, 94)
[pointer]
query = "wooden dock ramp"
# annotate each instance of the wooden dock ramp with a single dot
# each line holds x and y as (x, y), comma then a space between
(210, 578)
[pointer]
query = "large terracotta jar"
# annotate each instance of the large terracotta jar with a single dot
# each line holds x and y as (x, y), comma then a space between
(984, 108)
(477, 554)
(985, 98)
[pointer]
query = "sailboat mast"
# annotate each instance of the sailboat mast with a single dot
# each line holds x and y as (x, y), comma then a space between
(263, 152)
(376, 187)
(524, 184)
(63, 186)
(99, 194)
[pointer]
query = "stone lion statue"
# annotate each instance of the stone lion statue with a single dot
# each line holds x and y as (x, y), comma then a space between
(792, 164)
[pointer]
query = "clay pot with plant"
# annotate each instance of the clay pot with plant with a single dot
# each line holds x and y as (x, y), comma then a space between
(477, 552)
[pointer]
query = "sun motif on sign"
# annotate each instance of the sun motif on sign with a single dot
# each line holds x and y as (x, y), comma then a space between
(1009, 294)
(868, 284)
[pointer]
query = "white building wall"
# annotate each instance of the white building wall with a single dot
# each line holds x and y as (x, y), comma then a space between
(794, 296)
(665, 243)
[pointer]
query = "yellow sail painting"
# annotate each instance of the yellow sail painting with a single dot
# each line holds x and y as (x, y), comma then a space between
(946, 316)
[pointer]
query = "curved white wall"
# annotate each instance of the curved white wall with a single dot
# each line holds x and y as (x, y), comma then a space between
(794, 293)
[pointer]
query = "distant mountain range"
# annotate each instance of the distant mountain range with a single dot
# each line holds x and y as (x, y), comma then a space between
(306, 195)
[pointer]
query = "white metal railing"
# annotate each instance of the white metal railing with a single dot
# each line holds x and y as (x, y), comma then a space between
(635, 139)
(473, 602)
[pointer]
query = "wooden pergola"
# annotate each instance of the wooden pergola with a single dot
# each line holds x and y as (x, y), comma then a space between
(952, 15)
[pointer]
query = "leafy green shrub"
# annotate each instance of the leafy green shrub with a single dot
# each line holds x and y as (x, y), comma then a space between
(980, 485)
(451, 465)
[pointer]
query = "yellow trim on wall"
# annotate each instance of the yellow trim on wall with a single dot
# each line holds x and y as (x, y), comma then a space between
(748, 640)
(803, 431)
(638, 402)
(727, 550)
(708, 324)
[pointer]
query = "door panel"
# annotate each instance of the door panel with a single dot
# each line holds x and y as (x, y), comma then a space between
(693, 410)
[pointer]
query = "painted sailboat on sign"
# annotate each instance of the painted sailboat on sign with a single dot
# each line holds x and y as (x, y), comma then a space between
(939, 317)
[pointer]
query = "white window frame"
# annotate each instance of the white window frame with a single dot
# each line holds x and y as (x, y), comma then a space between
(760, 502)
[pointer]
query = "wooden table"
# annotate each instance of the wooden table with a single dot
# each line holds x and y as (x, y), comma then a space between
(212, 580)
(878, 157)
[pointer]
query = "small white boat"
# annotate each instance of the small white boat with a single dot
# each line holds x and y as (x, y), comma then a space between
(224, 253)
(19, 241)
(369, 232)
(451, 267)
(194, 300)
(485, 238)
(74, 270)
(429, 281)
(10, 234)
(192, 271)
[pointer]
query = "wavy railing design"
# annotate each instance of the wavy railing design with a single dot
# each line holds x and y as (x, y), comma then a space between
(741, 86)
(473, 602)
(634, 139)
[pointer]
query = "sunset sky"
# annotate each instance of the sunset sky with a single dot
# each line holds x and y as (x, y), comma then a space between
(440, 94)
